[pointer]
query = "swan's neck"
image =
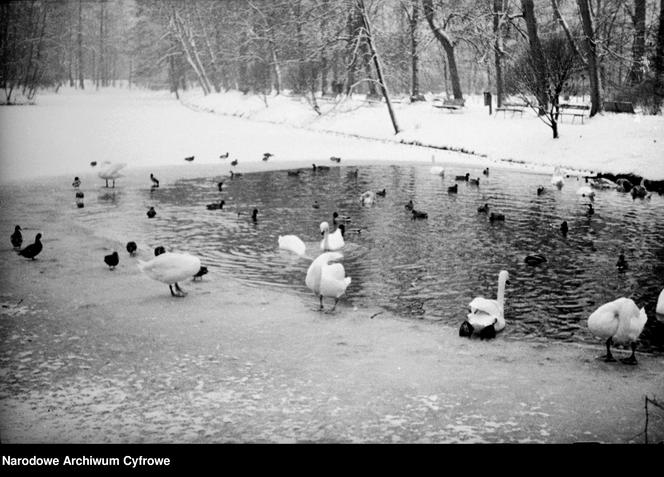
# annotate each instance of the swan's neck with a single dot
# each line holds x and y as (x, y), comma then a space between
(501, 292)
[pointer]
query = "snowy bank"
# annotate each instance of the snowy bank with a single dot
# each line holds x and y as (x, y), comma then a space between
(609, 142)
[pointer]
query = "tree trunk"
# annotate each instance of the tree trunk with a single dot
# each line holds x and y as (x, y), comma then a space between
(444, 39)
(659, 62)
(639, 45)
(590, 59)
(536, 53)
(100, 61)
(498, 49)
(81, 82)
(415, 94)
(379, 71)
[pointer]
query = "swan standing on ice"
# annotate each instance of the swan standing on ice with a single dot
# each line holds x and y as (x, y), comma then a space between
(327, 280)
(331, 241)
(437, 170)
(111, 171)
(619, 321)
(292, 243)
(486, 313)
(557, 178)
(170, 268)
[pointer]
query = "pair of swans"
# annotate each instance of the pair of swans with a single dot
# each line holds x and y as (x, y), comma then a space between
(331, 241)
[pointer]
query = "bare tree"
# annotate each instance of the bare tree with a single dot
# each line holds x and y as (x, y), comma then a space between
(448, 45)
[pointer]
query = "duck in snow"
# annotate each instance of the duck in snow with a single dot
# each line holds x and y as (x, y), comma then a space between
(16, 238)
(32, 250)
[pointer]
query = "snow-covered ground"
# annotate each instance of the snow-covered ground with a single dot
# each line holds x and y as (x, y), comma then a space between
(64, 132)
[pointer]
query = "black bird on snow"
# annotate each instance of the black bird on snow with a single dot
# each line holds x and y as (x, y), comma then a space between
(159, 250)
(622, 263)
(155, 182)
(32, 250)
(131, 248)
(224, 156)
(76, 183)
(419, 215)
(189, 159)
(234, 162)
(267, 155)
(564, 228)
(79, 194)
(381, 193)
(335, 159)
(17, 237)
(202, 271)
(112, 260)
(93, 163)
(151, 213)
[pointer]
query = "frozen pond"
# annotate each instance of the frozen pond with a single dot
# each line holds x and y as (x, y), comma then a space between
(421, 269)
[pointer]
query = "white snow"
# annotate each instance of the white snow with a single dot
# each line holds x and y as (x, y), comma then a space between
(64, 132)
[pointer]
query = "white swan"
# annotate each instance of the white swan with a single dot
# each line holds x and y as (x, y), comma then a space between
(170, 268)
(331, 241)
(485, 312)
(660, 303)
(292, 243)
(111, 171)
(327, 280)
(586, 191)
(437, 170)
(368, 197)
(619, 321)
(557, 178)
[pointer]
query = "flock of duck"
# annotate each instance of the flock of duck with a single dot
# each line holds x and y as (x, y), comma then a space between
(618, 322)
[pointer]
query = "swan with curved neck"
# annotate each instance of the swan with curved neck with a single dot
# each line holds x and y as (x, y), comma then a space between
(326, 279)
(331, 241)
(485, 312)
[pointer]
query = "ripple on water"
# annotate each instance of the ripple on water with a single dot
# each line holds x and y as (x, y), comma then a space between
(424, 269)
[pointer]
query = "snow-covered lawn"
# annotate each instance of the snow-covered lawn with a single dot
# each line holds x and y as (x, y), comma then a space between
(64, 132)
(609, 142)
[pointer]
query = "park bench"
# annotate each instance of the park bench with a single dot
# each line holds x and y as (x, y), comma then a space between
(449, 103)
(618, 107)
(574, 110)
(512, 107)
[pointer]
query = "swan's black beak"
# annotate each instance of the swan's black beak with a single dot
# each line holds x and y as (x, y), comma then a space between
(322, 233)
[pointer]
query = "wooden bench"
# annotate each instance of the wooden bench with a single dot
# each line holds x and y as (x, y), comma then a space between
(449, 103)
(574, 110)
(513, 107)
(618, 107)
